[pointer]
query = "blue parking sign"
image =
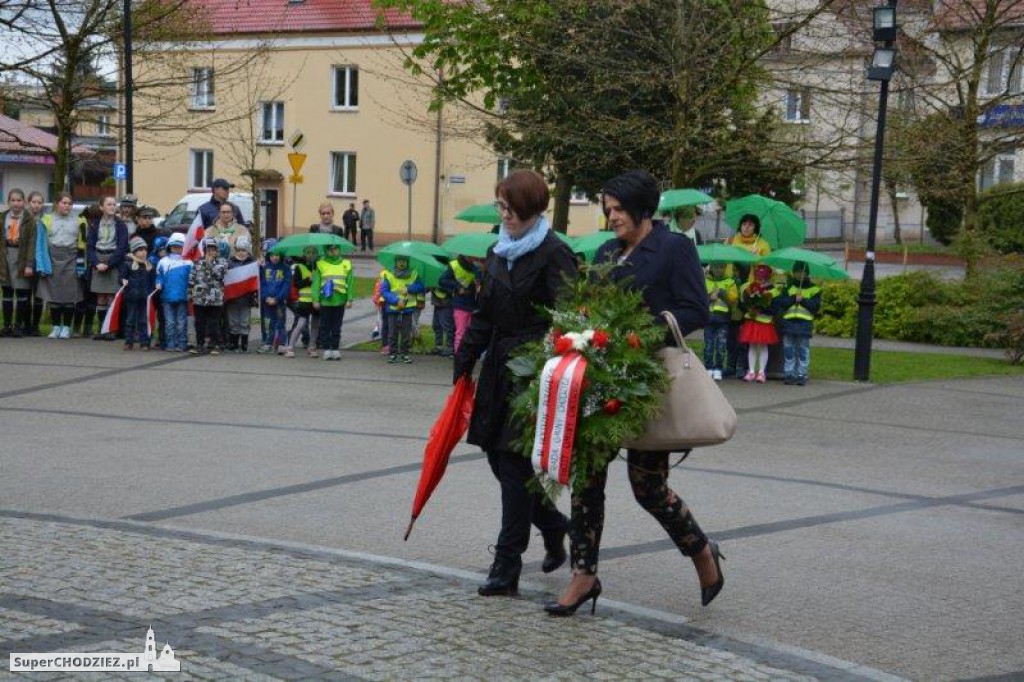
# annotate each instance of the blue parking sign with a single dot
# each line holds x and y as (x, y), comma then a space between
(120, 171)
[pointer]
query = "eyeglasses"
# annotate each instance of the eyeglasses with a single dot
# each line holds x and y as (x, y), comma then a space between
(502, 208)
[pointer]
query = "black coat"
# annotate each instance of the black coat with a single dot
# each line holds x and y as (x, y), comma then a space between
(508, 316)
(665, 267)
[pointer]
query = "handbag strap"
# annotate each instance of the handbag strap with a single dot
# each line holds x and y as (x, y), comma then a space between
(670, 319)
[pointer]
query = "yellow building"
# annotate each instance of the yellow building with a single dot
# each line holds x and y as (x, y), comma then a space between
(325, 71)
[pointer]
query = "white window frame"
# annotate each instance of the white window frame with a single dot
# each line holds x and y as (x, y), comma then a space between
(578, 197)
(103, 125)
(998, 170)
(200, 167)
(797, 105)
(275, 125)
(347, 184)
(344, 103)
(505, 166)
(1004, 72)
(201, 93)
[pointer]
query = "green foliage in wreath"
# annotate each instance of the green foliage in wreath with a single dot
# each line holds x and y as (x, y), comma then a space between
(624, 381)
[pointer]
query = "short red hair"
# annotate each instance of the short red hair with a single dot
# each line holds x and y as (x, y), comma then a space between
(526, 192)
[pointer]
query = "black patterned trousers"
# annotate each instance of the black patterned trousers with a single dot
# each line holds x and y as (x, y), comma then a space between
(648, 476)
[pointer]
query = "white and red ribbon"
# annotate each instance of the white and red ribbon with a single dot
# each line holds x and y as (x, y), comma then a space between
(112, 320)
(561, 389)
(150, 315)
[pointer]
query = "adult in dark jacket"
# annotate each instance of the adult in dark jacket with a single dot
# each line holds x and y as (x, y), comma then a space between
(17, 264)
(220, 191)
(665, 267)
(525, 269)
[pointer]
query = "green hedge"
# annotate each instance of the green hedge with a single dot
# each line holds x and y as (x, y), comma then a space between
(1001, 217)
(921, 307)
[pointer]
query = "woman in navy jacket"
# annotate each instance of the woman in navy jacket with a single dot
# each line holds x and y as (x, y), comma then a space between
(664, 266)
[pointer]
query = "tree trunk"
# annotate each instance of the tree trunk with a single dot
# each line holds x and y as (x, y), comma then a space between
(563, 194)
(895, 203)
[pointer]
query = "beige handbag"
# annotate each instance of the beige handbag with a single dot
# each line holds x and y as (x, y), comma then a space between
(694, 410)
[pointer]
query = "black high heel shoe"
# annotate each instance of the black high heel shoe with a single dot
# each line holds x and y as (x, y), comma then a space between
(562, 610)
(707, 594)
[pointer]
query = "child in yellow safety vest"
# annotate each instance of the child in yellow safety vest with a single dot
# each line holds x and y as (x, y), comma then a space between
(403, 295)
(724, 295)
(758, 331)
(302, 302)
(333, 283)
(798, 305)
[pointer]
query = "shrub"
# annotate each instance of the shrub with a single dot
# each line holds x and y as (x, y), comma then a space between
(944, 219)
(1011, 337)
(1001, 217)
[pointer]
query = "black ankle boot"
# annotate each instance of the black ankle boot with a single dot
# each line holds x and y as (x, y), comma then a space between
(555, 555)
(503, 580)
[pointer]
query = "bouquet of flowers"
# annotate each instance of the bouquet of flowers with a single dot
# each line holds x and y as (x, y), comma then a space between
(602, 339)
(759, 295)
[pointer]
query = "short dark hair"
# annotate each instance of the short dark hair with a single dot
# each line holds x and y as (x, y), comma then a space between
(15, 192)
(754, 219)
(526, 192)
(638, 193)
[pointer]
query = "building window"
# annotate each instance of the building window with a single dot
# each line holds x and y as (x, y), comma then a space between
(346, 87)
(578, 197)
(998, 170)
(200, 168)
(202, 88)
(1004, 72)
(103, 125)
(343, 173)
(505, 166)
(798, 105)
(273, 122)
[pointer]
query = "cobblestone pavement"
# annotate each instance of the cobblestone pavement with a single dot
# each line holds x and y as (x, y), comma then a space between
(236, 609)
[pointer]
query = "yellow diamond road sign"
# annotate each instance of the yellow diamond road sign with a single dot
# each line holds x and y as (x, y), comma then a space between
(296, 160)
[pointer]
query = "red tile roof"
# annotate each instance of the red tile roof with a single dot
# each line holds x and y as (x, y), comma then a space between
(17, 137)
(303, 16)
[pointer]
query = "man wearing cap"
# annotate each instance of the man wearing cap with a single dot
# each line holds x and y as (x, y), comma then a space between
(126, 209)
(144, 217)
(220, 189)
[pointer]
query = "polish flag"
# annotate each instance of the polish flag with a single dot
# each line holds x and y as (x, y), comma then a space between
(245, 279)
(112, 320)
(193, 249)
(150, 315)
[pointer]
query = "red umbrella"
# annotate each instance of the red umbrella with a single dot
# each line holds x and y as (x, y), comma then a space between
(447, 431)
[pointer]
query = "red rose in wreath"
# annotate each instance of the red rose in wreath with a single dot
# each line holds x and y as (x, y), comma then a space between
(613, 406)
(600, 339)
(633, 340)
(563, 345)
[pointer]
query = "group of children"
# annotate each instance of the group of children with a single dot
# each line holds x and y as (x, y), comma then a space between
(751, 312)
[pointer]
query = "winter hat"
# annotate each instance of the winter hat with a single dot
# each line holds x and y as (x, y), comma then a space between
(243, 243)
(137, 243)
(177, 239)
(209, 243)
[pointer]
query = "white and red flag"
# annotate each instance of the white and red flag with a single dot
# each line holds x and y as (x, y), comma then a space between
(150, 315)
(112, 320)
(193, 249)
(561, 390)
(242, 280)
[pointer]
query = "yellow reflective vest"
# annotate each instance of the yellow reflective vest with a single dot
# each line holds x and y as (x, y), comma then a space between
(400, 286)
(798, 311)
(305, 274)
(726, 298)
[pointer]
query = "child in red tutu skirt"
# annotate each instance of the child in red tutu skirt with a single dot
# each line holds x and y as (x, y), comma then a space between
(758, 330)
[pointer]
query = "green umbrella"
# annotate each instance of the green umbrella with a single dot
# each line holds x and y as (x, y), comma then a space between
(724, 253)
(473, 244)
(293, 245)
(428, 259)
(781, 226)
(587, 245)
(678, 198)
(820, 265)
(486, 214)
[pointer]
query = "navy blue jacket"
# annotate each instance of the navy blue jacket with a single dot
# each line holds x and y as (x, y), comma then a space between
(275, 281)
(210, 211)
(141, 280)
(451, 286)
(92, 235)
(666, 269)
(797, 327)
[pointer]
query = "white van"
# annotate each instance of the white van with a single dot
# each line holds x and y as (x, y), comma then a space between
(184, 212)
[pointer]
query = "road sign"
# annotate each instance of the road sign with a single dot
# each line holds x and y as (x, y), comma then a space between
(297, 140)
(457, 179)
(408, 172)
(120, 171)
(296, 160)
(296, 179)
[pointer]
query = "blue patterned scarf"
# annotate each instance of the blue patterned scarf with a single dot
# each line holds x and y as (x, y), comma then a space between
(512, 249)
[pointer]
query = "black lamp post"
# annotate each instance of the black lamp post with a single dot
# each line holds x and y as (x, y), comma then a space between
(129, 119)
(882, 67)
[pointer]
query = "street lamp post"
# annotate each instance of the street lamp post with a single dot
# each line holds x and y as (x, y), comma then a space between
(129, 142)
(883, 65)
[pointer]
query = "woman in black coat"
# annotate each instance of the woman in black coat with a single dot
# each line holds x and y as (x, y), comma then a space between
(665, 268)
(525, 270)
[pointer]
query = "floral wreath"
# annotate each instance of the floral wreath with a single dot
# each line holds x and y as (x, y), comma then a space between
(622, 388)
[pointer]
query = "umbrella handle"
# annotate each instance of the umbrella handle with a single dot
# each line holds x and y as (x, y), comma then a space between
(408, 529)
